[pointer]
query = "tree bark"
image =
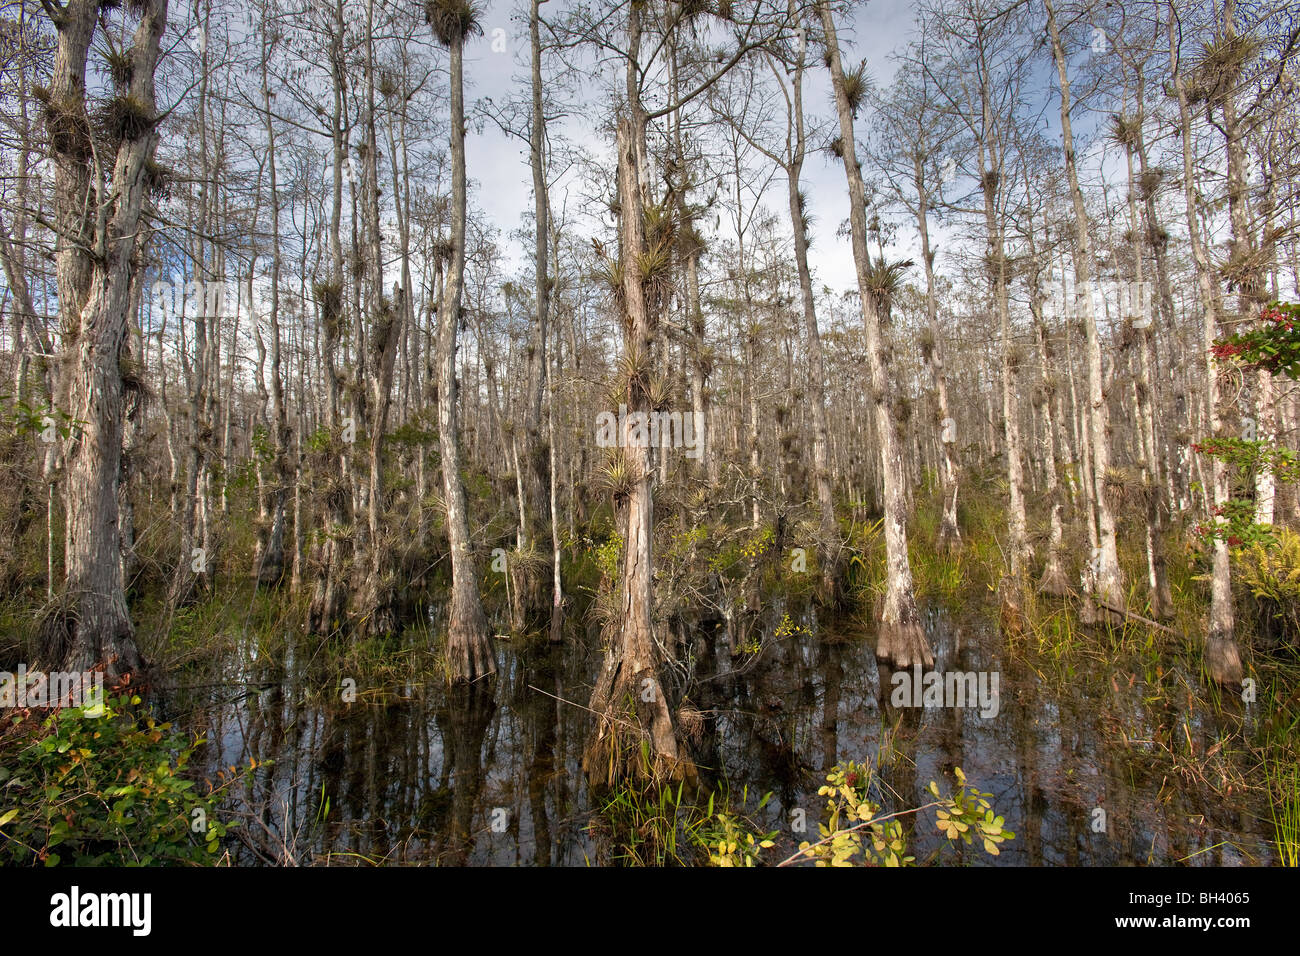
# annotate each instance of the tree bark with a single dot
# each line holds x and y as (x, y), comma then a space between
(92, 627)
(1222, 658)
(469, 643)
(901, 639)
(1106, 576)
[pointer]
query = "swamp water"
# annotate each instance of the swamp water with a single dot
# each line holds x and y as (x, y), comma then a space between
(492, 775)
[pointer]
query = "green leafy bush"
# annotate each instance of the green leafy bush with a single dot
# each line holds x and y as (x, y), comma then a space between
(609, 556)
(729, 837)
(1273, 345)
(102, 791)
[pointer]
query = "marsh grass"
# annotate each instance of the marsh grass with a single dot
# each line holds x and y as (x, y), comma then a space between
(1284, 787)
(648, 827)
(1169, 722)
(666, 825)
(254, 635)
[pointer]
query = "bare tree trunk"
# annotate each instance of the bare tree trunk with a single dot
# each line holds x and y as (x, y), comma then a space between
(375, 602)
(949, 538)
(1053, 580)
(796, 147)
(557, 589)
(330, 554)
(1222, 658)
(469, 643)
(628, 690)
(1109, 579)
(991, 166)
(1159, 595)
(628, 686)
(270, 564)
(195, 560)
(537, 474)
(901, 638)
(133, 439)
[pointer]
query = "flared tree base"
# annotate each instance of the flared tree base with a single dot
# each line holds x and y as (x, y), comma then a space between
(1162, 603)
(634, 739)
(949, 541)
(528, 599)
(1011, 617)
(557, 624)
(270, 569)
(904, 645)
(377, 615)
(1054, 583)
(89, 636)
(470, 654)
(1223, 660)
(325, 613)
(833, 589)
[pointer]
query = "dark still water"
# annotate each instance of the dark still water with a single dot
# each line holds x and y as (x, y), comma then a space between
(420, 773)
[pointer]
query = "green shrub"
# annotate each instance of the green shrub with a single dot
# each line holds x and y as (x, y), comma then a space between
(107, 790)
(1272, 577)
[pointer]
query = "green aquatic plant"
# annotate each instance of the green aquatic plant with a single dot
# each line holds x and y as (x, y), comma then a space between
(662, 825)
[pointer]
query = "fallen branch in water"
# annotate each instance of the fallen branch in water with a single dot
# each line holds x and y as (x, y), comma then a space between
(1136, 617)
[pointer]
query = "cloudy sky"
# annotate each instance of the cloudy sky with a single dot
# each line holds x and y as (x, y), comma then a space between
(499, 163)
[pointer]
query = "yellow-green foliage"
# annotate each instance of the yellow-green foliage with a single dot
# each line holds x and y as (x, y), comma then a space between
(856, 833)
(732, 845)
(788, 628)
(658, 826)
(608, 556)
(1273, 573)
(681, 543)
(758, 545)
(728, 840)
(866, 567)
